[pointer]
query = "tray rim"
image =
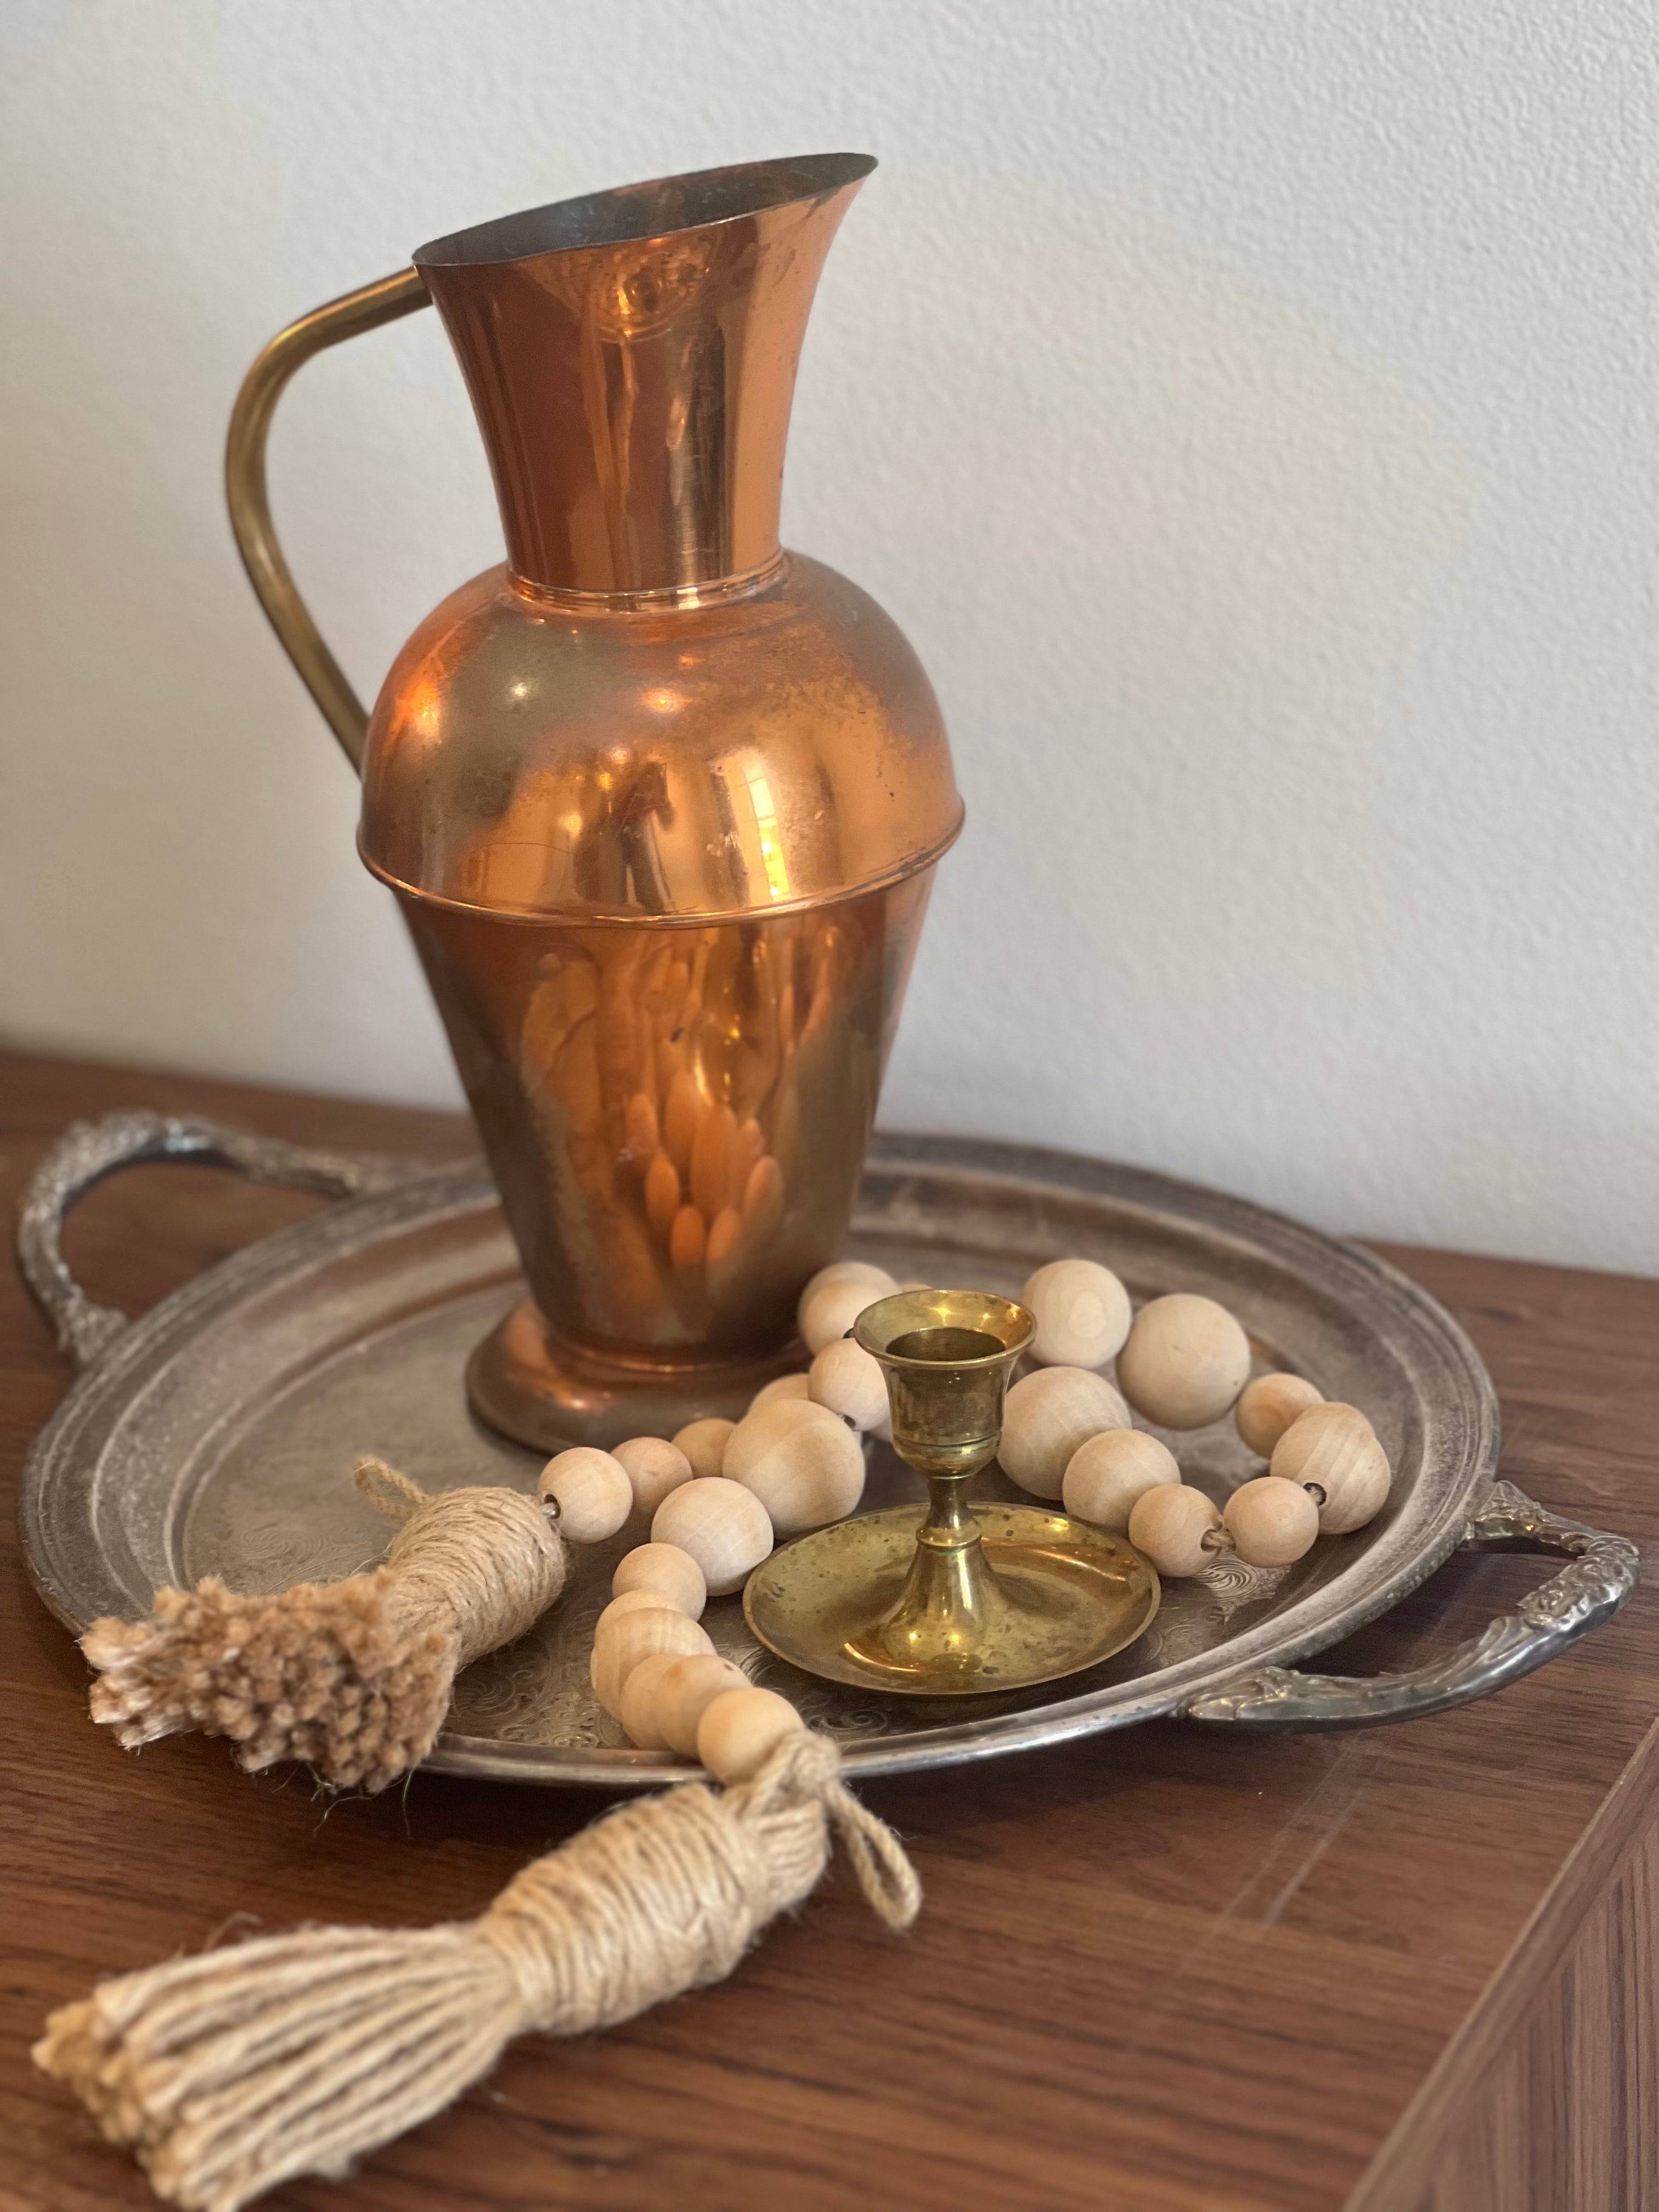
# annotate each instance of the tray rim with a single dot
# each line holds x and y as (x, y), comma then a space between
(104, 1390)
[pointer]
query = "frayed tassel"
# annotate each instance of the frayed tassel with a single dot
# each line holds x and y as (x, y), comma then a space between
(290, 2055)
(352, 1677)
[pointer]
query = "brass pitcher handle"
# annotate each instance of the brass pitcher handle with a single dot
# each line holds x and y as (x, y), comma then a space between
(383, 302)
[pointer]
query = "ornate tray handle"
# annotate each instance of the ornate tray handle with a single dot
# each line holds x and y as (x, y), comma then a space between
(88, 1152)
(1604, 1570)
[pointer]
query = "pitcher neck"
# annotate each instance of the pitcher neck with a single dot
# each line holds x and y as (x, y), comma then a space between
(631, 360)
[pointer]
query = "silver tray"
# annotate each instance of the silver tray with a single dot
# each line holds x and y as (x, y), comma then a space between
(216, 1436)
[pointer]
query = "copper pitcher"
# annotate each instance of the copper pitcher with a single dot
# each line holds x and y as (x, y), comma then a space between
(660, 802)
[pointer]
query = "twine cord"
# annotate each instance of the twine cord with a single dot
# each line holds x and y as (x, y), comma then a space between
(232, 2072)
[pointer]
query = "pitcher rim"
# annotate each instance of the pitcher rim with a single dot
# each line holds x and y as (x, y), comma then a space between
(619, 215)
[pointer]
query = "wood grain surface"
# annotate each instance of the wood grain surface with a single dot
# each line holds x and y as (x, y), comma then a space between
(1167, 1969)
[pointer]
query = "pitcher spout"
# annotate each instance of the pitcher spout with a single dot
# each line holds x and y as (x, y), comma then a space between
(631, 358)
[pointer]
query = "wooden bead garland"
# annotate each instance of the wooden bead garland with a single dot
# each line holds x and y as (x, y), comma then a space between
(1082, 1314)
(1184, 1363)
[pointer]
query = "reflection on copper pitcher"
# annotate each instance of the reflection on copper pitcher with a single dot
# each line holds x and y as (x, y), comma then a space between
(660, 802)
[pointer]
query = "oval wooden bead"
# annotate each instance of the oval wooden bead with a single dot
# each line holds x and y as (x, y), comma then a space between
(1268, 1406)
(1169, 1524)
(592, 1492)
(781, 1386)
(631, 1637)
(637, 1707)
(801, 1461)
(1336, 1446)
(1082, 1314)
(830, 1310)
(847, 1379)
(739, 1729)
(724, 1528)
(703, 1444)
(662, 1571)
(654, 1468)
(1107, 1473)
(685, 1690)
(1046, 1416)
(1270, 1521)
(844, 1271)
(1185, 1361)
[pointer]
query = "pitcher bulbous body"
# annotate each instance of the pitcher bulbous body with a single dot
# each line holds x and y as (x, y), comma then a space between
(660, 802)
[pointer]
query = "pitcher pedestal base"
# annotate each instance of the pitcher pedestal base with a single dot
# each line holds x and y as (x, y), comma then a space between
(542, 1390)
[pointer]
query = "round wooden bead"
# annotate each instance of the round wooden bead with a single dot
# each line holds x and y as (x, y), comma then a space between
(739, 1730)
(627, 1601)
(847, 1379)
(592, 1490)
(1082, 1314)
(830, 1310)
(1046, 1416)
(801, 1461)
(654, 1468)
(703, 1444)
(685, 1690)
(1270, 1521)
(641, 1696)
(844, 1271)
(1168, 1523)
(662, 1571)
(781, 1386)
(1107, 1473)
(1185, 1361)
(1334, 1446)
(630, 1637)
(1268, 1406)
(724, 1527)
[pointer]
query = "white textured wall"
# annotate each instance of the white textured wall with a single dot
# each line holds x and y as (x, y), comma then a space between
(1246, 407)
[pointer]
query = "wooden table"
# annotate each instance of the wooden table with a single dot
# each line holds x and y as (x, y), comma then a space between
(1408, 1971)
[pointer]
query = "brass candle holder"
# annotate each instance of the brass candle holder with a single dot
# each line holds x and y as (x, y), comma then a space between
(977, 1598)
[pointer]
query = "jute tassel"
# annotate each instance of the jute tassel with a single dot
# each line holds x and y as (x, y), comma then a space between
(353, 1677)
(290, 2055)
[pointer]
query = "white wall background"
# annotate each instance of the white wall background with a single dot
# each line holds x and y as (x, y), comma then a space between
(1248, 408)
